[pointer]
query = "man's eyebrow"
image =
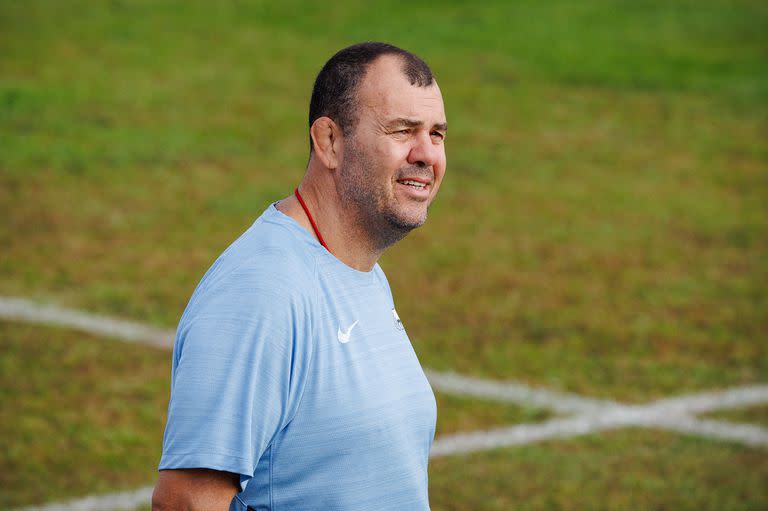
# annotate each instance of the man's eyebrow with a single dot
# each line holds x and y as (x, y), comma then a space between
(403, 121)
(412, 123)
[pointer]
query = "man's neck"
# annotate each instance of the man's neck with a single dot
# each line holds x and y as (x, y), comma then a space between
(345, 240)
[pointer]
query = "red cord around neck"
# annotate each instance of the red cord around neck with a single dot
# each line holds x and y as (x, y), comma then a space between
(311, 220)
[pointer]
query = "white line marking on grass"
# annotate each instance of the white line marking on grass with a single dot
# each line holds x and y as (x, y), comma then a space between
(669, 414)
(521, 434)
(512, 392)
(31, 312)
(585, 415)
(123, 501)
(747, 434)
(704, 402)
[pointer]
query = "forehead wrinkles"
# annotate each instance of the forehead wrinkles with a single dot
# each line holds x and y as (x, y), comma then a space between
(417, 103)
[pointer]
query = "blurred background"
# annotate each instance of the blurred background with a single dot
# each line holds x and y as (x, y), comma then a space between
(602, 228)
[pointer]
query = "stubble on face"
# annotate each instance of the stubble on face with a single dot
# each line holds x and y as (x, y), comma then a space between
(387, 147)
(371, 202)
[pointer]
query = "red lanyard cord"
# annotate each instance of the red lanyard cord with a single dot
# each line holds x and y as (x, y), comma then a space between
(311, 220)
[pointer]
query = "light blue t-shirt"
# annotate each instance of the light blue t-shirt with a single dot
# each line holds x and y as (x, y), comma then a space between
(294, 371)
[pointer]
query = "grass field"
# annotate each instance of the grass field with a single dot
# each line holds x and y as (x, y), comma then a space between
(602, 228)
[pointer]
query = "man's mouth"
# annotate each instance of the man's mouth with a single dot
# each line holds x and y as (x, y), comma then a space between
(415, 184)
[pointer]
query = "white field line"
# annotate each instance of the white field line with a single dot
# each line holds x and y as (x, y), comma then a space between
(123, 501)
(705, 402)
(747, 434)
(670, 414)
(590, 415)
(512, 392)
(520, 434)
(20, 309)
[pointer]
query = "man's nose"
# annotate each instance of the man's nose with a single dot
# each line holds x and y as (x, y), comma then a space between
(424, 152)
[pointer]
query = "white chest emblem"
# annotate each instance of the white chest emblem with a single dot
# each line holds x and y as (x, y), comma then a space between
(398, 323)
(344, 337)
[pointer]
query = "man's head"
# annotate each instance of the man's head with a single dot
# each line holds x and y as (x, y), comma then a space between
(380, 133)
(335, 92)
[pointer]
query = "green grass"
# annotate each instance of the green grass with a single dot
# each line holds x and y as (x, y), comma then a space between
(604, 208)
(631, 469)
(601, 228)
(80, 414)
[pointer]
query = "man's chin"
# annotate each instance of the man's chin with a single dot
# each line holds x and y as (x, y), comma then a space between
(409, 222)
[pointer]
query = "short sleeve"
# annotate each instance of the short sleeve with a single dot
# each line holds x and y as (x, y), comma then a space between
(241, 357)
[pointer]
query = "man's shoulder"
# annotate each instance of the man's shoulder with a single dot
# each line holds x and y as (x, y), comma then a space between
(273, 242)
(271, 255)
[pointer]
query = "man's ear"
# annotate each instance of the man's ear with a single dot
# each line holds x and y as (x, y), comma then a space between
(326, 139)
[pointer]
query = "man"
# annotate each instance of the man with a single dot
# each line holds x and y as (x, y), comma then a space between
(294, 385)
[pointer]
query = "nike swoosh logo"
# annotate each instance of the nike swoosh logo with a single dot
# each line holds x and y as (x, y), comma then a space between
(345, 336)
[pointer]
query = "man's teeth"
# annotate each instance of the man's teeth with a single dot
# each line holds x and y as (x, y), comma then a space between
(415, 184)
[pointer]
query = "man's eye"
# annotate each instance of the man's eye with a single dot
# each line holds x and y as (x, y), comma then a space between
(439, 135)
